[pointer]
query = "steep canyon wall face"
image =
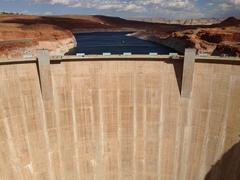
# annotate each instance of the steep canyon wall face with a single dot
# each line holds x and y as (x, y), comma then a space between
(122, 120)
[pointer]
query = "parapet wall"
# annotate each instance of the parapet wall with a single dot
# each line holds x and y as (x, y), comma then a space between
(119, 119)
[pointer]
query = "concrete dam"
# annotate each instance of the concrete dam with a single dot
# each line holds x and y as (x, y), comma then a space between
(120, 118)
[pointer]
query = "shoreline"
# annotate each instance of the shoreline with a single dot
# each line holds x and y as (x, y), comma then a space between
(128, 33)
(154, 39)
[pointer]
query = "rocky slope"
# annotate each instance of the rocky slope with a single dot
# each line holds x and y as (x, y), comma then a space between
(18, 39)
(200, 21)
(218, 39)
(214, 41)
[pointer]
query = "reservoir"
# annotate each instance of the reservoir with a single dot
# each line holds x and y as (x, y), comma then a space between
(116, 43)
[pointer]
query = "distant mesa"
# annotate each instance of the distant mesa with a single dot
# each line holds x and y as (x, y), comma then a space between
(231, 21)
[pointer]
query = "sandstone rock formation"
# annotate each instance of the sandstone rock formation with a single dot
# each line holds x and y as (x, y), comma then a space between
(17, 39)
(215, 41)
(218, 39)
(199, 21)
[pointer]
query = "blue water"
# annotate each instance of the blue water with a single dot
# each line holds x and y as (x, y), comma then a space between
(115, 43)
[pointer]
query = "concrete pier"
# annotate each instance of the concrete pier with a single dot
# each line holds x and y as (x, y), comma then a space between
(188, 71)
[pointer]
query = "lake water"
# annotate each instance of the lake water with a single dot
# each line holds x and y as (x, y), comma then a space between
(115, 43)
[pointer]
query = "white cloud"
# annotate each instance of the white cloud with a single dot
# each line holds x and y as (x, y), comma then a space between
(225, 6)
(139, 6)
(235, 2)
(48, 13)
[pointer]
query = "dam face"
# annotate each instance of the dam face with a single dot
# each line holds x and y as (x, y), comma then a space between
(119, 120)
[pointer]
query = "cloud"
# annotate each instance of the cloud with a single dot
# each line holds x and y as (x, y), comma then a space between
(122, 7)
(48, 13)
(235, 2)
(226, 5)
(173, 9)
(135, 6)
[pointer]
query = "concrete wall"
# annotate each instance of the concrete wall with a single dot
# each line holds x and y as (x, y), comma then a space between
(122, 120)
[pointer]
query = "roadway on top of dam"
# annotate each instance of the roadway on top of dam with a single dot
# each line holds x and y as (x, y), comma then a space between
(145, 57)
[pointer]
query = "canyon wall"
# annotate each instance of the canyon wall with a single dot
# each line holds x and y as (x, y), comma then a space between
(120, 120)
(20, 49)
(19, 40)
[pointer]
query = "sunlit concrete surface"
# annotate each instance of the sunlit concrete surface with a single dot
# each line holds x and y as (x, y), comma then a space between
(120, 120)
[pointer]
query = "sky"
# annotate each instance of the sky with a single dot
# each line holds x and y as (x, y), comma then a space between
(171, 9)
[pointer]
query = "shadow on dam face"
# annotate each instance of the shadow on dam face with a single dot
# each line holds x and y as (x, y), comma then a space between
(228, 167)
(122, 120)
(178, 68)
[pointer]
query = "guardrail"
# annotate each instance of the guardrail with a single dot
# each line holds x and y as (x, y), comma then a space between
(81, 57)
